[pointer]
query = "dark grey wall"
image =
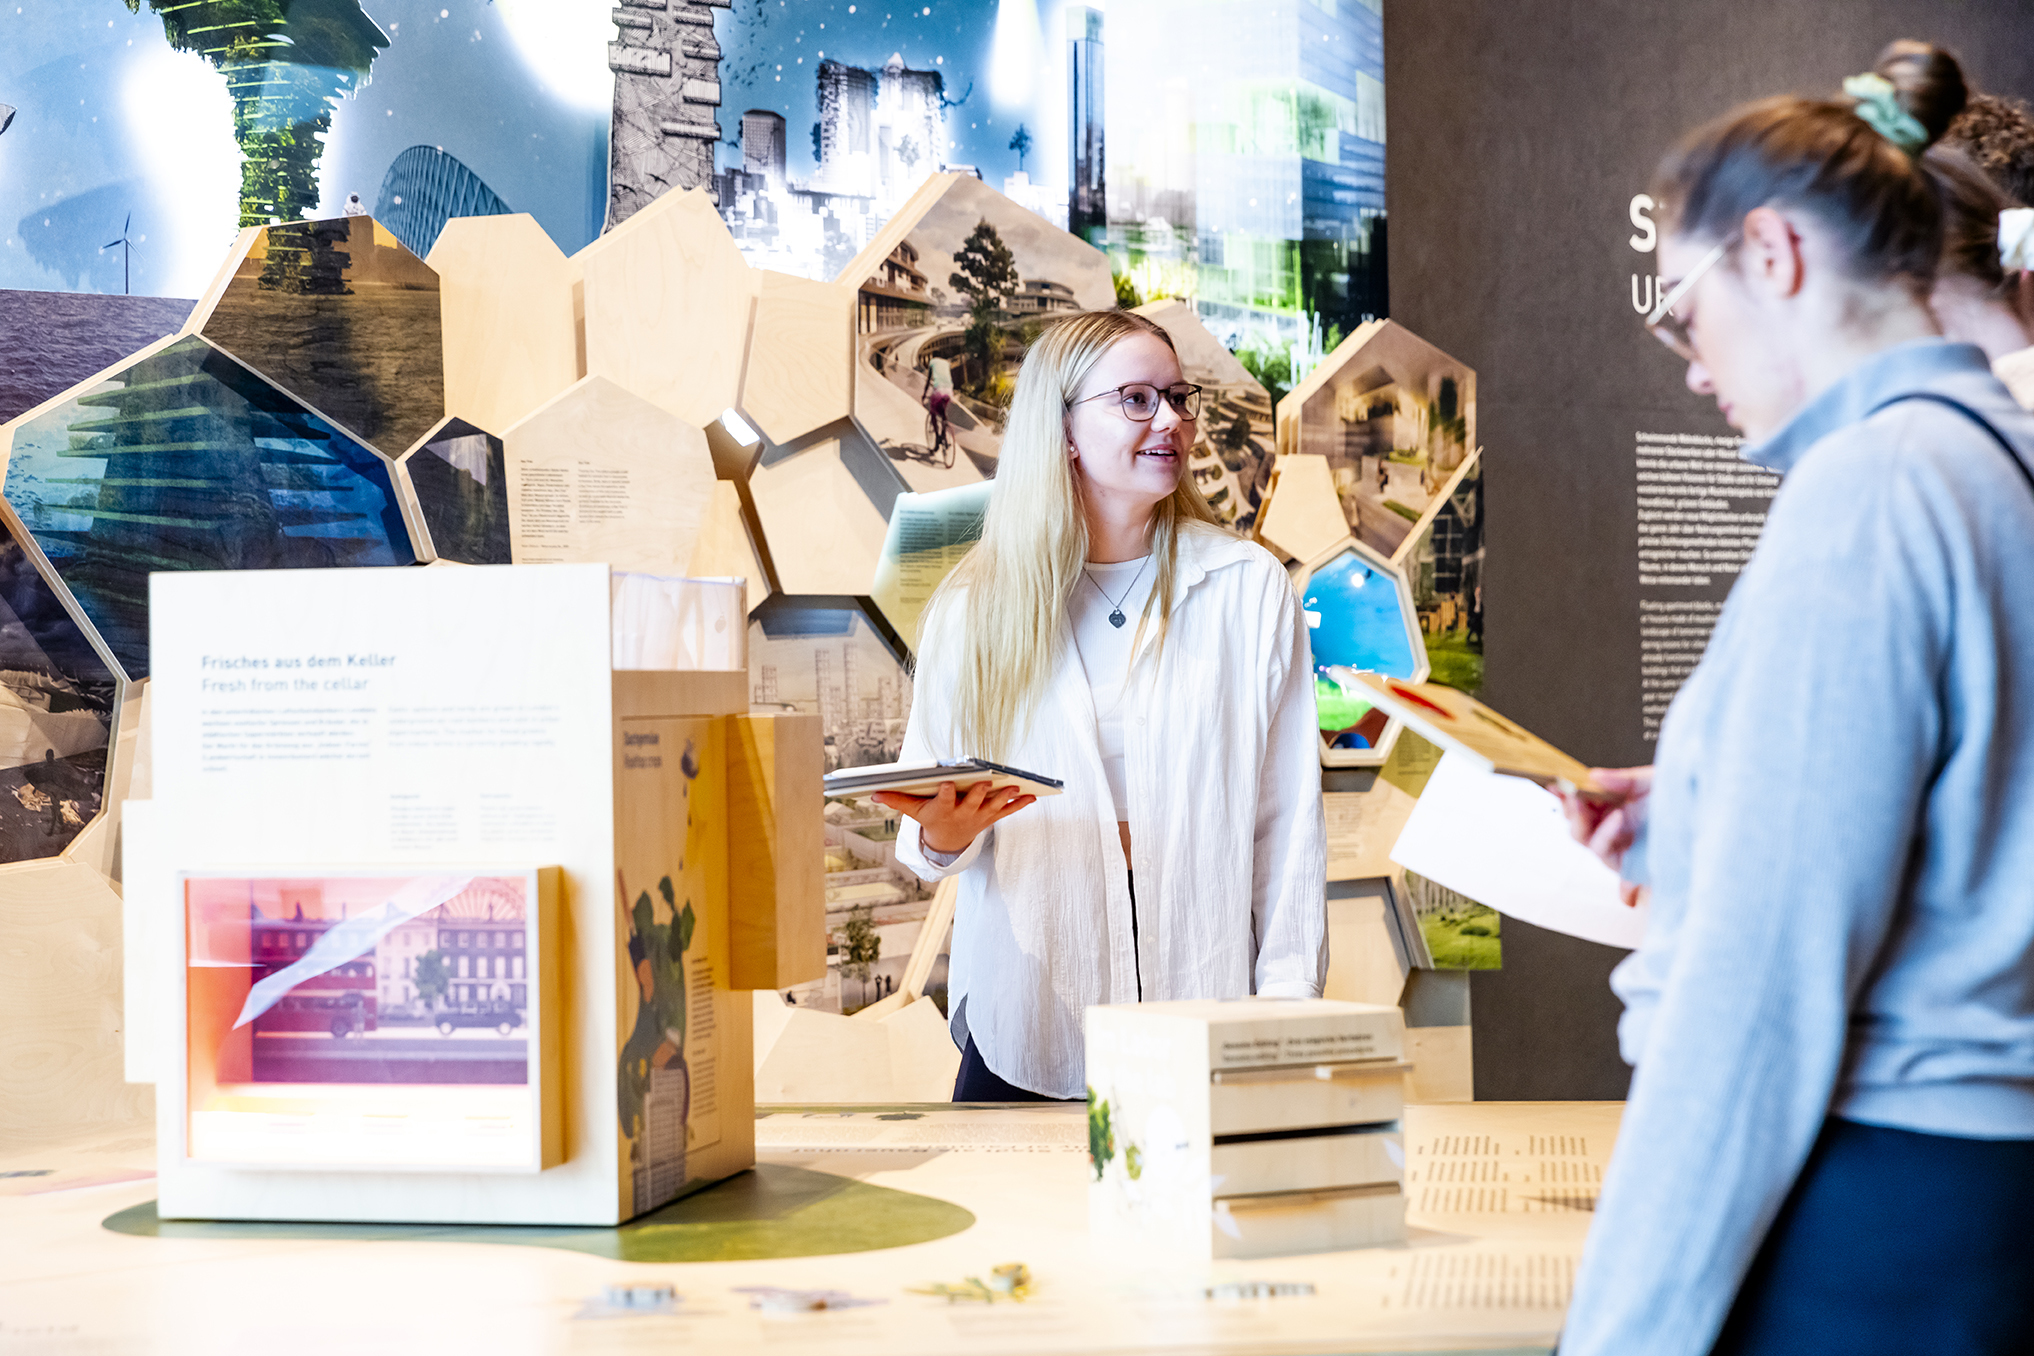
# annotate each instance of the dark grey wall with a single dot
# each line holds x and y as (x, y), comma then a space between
(1518, 134)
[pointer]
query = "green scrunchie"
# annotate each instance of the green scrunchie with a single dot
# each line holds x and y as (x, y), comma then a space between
(1879, 105)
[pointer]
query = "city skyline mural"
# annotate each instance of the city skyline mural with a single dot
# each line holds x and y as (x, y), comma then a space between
(1228, 156)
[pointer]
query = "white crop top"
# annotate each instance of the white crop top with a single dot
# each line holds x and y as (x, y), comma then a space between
(1122, 589)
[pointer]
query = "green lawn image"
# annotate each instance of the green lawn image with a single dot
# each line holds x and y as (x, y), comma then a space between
(1461, 934)
(1455, 660)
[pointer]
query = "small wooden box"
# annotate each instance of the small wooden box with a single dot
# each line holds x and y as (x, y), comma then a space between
(1249, 1128)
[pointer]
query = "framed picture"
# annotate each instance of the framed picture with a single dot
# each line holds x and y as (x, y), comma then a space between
(1360, 618)
(371, 1019)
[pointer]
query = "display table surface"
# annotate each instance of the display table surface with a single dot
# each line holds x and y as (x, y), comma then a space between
(1499, 1195)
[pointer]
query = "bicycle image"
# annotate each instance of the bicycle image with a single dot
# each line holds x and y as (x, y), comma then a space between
(938, 396)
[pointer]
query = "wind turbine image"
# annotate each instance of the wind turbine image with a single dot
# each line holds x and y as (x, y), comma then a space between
(126, 256)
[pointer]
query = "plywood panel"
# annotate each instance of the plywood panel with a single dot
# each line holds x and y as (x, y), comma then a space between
(668, 299)
(1363, 965)
(776, 849)
(724, 547)
(505, 297)
(601, 474)
(1443, 1064)
(801, 355)
(825, 534)
(1301, 517)
(61, 1071)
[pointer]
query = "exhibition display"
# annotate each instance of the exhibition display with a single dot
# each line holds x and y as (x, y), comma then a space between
(477, 481)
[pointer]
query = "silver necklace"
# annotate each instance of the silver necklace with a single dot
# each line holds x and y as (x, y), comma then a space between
(1116, 618)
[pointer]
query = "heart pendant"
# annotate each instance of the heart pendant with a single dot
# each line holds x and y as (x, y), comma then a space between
(1116, 619)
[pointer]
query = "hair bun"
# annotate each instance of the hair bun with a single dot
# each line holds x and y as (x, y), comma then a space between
(1927, 81)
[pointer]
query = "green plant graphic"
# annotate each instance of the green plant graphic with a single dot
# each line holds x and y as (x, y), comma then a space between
(1101, 1138)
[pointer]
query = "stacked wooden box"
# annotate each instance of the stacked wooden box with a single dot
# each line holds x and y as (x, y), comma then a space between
(1252, 1128)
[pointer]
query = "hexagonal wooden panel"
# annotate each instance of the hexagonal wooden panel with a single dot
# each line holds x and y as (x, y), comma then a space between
(668, 302)
(601, 474)
(800, 374)
(505, 292)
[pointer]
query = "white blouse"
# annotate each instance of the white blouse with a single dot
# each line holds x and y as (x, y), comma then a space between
(1224, 793)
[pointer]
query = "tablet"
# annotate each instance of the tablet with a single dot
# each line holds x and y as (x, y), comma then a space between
(923, 779)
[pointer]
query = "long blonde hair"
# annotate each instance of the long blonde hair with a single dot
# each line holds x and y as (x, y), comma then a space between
(1012, 590)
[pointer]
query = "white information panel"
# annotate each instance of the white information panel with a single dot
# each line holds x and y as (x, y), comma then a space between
(393, 754)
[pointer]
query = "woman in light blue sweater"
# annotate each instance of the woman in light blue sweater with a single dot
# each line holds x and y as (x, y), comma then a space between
(1829, 1145)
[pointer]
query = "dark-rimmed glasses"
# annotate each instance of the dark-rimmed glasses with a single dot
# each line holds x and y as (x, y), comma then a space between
(1139, 400)
(1671, 329)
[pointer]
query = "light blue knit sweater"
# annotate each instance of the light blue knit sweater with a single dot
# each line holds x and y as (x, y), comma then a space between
(1840, 847)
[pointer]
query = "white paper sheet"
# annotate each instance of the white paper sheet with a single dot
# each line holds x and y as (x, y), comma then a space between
(1504, 842)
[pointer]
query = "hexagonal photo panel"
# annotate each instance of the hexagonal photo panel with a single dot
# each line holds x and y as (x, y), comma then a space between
(188, 460)
(459, 477)
(1232, 453)
(949, 295)
(827, 656)
(1443, 562)
(1394, 417)
(58, 696)
(1360, 618)
(344, 318)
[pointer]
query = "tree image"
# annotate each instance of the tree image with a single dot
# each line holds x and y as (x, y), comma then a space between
(1020, 143)
(287, 64)
(433, 977)
(860, 947)
(986, 269)
(908, 152)
(986, 274)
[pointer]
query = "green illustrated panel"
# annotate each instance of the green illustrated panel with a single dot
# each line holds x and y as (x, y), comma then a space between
(771, 1211)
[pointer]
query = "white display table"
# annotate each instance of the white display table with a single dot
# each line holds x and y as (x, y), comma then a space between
(1499, 1197)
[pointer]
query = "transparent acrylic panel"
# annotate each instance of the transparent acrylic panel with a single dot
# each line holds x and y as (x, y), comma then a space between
(347, 1021)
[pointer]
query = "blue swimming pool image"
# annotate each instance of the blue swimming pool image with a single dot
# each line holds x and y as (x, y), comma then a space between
(1360, 624)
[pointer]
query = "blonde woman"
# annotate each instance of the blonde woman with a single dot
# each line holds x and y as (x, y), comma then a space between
(1107, 632)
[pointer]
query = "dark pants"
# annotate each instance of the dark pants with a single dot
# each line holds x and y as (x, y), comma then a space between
(977, 1082)
(1897, 1243)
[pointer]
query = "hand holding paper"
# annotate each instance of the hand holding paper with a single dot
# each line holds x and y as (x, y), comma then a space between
(1504, 842)
(1607, 820)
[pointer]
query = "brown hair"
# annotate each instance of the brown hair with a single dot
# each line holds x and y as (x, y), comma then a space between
(1931, 86)
(1971, 204)
(1820, 156)
(1928, 82)
(1998, 136)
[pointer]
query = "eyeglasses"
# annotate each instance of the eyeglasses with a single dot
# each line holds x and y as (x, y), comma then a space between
(1671, 329)
(1139, 400)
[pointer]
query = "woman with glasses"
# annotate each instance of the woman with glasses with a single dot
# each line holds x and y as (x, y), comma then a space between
(1829, 1144)
(1107, 632)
